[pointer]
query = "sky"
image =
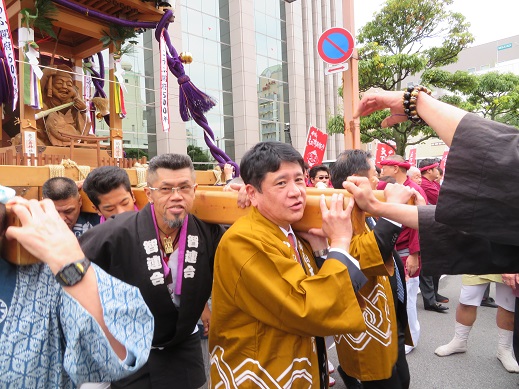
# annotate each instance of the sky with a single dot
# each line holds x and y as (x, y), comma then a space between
(490, 20)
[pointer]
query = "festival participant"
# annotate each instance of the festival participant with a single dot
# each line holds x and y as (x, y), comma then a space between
(471, 197)
(430, 173)
(109, 189)
(474, 214)
(65, 195)
(319, 176)
(415, 175)
(63, 321)
(270, 299)
(408, 248)
(471, 295)
(168, 254)
(429, 284)
(377, 356)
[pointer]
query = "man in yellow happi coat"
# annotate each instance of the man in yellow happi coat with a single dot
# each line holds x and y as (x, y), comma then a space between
(376, 356)
(271, 303)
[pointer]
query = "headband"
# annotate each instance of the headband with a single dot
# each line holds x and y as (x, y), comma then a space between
(390, 162)
(425, 168)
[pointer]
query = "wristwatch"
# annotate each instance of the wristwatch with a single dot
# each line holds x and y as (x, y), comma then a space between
(71, 274)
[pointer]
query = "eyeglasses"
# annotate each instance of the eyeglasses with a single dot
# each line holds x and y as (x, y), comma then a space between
(168, 190)
(323, 177)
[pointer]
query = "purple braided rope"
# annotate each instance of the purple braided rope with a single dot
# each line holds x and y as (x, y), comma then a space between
(192, 102)
(104, 17)
(99, 82)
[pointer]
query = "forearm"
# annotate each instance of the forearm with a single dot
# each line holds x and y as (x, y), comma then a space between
(86, 293)
(441, 117)
(400, 213)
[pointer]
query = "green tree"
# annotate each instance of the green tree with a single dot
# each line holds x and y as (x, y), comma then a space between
(197, 154)
(492, 95)
(392, 48)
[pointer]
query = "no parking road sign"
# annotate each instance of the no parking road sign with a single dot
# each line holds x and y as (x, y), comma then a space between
(336, 46)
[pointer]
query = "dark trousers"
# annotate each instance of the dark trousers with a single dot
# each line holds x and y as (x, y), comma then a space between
(429, 288)
(181, 366)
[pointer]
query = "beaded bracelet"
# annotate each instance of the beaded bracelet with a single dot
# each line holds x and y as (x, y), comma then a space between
(410, 98)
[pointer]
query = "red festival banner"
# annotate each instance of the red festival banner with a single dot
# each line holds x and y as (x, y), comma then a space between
(315, 147)
(412, 156)
(383, 151)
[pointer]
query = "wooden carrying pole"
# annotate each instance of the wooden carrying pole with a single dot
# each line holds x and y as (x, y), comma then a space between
(211, 205)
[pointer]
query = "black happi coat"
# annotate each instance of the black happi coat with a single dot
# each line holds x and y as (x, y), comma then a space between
(127, 248)
(473, 229)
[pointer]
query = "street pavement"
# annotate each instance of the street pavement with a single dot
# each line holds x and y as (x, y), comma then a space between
(477, 368)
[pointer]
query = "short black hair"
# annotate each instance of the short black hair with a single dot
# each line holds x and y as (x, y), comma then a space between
(169, 161)
(266, 157)
(427, 162)
(313, 171)
(103, 180)
(348, 163)
(59, 188)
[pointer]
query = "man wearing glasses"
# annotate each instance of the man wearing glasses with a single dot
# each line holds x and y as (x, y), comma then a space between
(168, 254)
(320, 176)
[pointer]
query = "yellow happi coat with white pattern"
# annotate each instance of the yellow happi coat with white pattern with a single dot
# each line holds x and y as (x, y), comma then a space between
(267, 308)
(370, 355)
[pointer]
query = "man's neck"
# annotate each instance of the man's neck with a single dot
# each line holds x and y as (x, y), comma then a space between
(166, 230)
(400, 178)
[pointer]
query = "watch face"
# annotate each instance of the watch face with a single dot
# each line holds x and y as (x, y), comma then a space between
(71, 275)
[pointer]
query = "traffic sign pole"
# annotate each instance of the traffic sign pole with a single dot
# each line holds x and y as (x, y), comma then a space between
(350, 86)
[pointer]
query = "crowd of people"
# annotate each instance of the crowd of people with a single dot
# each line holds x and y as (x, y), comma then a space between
(118, 295)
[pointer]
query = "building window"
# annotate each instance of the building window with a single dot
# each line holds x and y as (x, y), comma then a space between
(271, 68)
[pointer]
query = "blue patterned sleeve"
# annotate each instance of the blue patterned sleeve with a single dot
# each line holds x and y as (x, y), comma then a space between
(88, 354)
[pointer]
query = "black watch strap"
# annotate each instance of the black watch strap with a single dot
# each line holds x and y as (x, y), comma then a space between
(71, 274)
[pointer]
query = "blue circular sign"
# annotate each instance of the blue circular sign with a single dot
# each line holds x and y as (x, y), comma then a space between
(335, 45)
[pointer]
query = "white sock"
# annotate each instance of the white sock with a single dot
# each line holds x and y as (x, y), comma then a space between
(505, 351)
(458, 344)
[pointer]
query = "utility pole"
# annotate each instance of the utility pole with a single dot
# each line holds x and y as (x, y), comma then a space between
(350, 80)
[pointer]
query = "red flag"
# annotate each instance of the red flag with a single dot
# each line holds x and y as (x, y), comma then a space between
(383, 151)
(315, 147)
(412, 156)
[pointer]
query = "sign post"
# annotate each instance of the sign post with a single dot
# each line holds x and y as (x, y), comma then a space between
(350, 84)
(335, 47)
